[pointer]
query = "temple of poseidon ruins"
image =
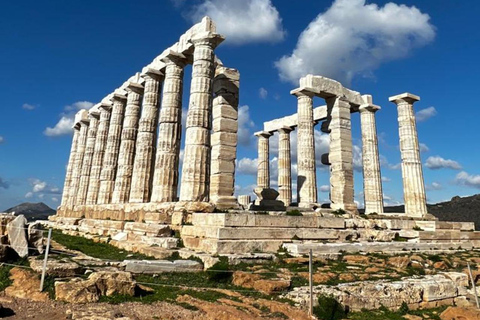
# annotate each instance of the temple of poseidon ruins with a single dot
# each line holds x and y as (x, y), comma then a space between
(123, 180)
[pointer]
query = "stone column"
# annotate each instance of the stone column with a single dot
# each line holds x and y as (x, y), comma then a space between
(372, 180)
(284, 166)
(126, 154)
(99, 152)
(109, 167)
(306, 164)
(70, 165)
(263, 174)
(412, 173)
(165, 176)
(146, 138)
(196, 160)
(93, 116)
(224, 137)
(81, 120)
(341, 155)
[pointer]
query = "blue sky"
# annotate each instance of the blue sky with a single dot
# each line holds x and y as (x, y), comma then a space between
(58, 56)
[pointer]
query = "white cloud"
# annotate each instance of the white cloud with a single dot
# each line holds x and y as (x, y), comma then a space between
(385, 163)
(354, 38)
(38, 185)
(386, 179)
(324, 188)
(357, 159)
(2, 139)
(54, 199)
(437, 162)
(65, 124)
(433, 186)
(242, 21)
(245, 124)
(29, 195)
(425, 114)
(28, 106)
(247, 166)
(424, 147)
(263, 93)
(465, 179)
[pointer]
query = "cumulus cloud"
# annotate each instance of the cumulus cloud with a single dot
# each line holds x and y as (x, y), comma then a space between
(263, 93)
(386, 179)
(245, 125)
(28, 106)
(437, 162)
(40, 188)
(424, 147)
(385, 163)
(2, 139)
(425, 114)
(433, 186)
(65, 124)
(247, 166)
(354, 38)
(29, 195)
(465, 179)
(242, 21)
(324, 188)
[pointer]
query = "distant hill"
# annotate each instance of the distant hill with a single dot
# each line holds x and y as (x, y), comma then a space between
(33, 211)
(466, 209)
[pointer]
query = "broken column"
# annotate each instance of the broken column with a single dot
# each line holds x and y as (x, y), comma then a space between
(306, 165)
(372, 181)
(196, 160)
(109, 167)
(105, 109)
(263, 161)
(412, 173)
(165, 176)
(146, 137)
(284, 166)
(71, 164)
(224, 137)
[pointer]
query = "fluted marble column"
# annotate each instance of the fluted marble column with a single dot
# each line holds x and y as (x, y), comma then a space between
(263, 173)
(412, 173)
(99, 152)
(82, 120)
(70, 165)
(341, 155)
(196, 160)
(284, 166)
(109, 166)
(146, 137)
(306, 164)
(93, 116)
(126, 154)
(372, 180)
(224, 137)
(165, 176)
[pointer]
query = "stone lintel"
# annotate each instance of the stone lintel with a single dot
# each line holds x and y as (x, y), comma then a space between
(264, 134)
(367, 98)
(319, 114)
(408, 97)
(328, 88)
(369, 107)
(303, 91)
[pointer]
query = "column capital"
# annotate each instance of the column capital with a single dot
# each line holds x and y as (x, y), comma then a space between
(303, 91)
(285, 129)
(207, 38)
(119, 97)
(81, 116)
(368, 107)
(94, 112)
(105, 105)
(407, 97)
(176, 58)
(151, 73)
(263, 134)
(134, 87)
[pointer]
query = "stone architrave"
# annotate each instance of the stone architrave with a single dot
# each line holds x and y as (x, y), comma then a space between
(412, 173)
(146, 137)
(126, 155)
(263, 172)
(99, 153)
(93, 116)
(224, 137)
(165, 175)
(341, 155)
(71, 161)
(109, 166)
(83, 122)
(284, 166)
(372, 180)
(196, 160)
(306, 163)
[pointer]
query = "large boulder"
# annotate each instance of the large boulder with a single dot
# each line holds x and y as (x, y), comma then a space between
(35, 237)
(25, 285)
(17, 235)
(456, 313)
(56, 267)
(161, 266)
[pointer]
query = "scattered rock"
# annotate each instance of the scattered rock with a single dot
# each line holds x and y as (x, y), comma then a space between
(267, 286)
(35, 237)
(441, 265)
(17, 235)
(59, 268)
(412, 317)
(346, 277)
(399, 262)
(161, 266)
(457, 313)
(356, 259)
(26, 285)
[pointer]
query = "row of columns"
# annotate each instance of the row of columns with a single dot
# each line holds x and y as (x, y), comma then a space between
(114, 157)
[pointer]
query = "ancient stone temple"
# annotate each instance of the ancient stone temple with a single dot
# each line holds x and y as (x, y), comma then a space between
(126, 182)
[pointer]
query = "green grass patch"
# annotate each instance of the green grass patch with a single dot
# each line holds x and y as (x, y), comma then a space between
(295, 213)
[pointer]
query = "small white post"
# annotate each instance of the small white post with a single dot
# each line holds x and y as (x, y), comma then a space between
(473, 285)
(310, 280)
(44, 269)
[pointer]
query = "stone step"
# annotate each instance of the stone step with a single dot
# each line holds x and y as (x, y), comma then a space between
(449, 235)
(215, 246)
(462, 226)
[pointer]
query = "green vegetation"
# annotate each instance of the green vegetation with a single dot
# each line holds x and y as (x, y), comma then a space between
(329, 309)
(399, 239)
(417, 228)
(294, 213)
(385, 314)
(339, 212)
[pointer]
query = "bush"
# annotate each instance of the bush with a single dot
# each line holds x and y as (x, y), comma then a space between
(294, 213)
(329, 309)
(220, 271)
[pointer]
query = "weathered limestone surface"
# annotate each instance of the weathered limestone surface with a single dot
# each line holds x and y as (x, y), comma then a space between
(244, 200)
(284, 166)
(263, 174)
(99, 152)
(196, 163)
(17, 235)
(372, 181)
(412, 173)
(224, 137)
(83, 122)
(306, 164)
(109, 166)
(319, 114)
(71, 164)
(126, 153)
(161, 266)
(88, 157)
(165, 178)
(146, 137)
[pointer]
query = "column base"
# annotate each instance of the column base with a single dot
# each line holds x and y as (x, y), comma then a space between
(226, 202)
(350, 207)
